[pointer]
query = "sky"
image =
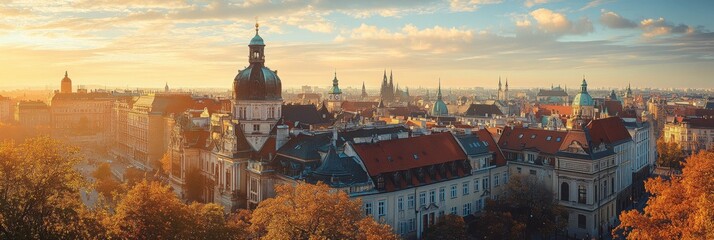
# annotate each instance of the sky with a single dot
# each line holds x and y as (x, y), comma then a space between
(465, 43)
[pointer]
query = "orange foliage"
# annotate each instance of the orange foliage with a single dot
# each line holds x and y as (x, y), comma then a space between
(681, 208)
(309, 211)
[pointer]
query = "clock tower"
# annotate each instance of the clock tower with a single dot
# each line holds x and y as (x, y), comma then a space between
(334, 97)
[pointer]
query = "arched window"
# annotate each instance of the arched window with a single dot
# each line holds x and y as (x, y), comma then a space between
(582, 194)
(564, 192)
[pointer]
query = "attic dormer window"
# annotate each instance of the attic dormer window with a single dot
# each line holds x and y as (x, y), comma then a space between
(416, 157)
(520, 135)
(380, 182)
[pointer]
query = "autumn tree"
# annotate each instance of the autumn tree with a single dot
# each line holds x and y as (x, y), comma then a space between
(165, 163)
(669, 154)
(447, 228)
(40, 192)
(151, 211)
(526, 205)
(679, 208)
(104, 181)
(309, 211)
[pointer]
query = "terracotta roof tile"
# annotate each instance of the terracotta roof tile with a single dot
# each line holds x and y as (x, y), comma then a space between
(408, 153)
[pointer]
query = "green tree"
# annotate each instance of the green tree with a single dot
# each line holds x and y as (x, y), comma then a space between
(669, 154)
(40, 192)
(449, 227)
(308, 211)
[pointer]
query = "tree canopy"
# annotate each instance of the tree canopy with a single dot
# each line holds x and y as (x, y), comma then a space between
(449, 227)
(526, 208)
(670, 154)
(40, 190)
(679, 208)
(309, 211)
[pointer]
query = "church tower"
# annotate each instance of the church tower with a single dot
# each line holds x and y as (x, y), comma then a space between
(583, 107)
(334, 96)
(257, 97)
(66, 85)
(364, 92)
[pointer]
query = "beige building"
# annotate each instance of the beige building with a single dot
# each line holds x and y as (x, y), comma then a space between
(692, 134)
(83, 112)
(32, 113)
(5, 110)
(142, 125)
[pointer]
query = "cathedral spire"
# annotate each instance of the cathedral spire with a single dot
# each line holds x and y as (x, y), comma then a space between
(438, 94)
(499, 83)
(65, 73)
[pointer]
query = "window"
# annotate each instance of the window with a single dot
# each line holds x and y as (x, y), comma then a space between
(495, 180)
(422, 199)
(557, 139)
(505, 177)
(533, 172)
(582, 194)
(467, 209)
(548, 138)
(256, 127)
(582, 221)
(564, 191)
(605, 188)
(466, 188)
(432, 196)
(400, 203)
(442, 194)
(368, 208)
(485, 185)
(453, 191)
(453, 210)
(520, 135)
(612, 185)
(518, 169)
(475, 185)
(381, 208)
(410, 201)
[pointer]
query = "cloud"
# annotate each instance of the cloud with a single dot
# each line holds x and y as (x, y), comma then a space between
(657, 27)
(612, 20)
(436, 39)
(557, 23)
(594, 3)
(531, 3)
(469, 5)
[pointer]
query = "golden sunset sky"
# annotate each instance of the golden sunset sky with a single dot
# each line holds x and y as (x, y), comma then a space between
(466, 43)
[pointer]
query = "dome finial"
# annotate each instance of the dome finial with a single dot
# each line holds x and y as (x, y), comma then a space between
(256, 25)
(65, 73)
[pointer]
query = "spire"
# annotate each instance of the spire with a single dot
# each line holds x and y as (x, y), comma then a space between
(499, 83)
(65, 73)
(506, 84)
(584, 86)
(256, 26)
(438, 95)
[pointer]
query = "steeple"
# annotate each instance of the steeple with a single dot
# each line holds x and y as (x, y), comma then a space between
(499, 83)
(584, 86)
(438, 94)
(166, 87)
(364, 91)
(506, 84)
(335, 85)
(65, 73)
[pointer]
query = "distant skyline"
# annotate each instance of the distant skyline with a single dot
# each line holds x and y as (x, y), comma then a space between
(466, 43)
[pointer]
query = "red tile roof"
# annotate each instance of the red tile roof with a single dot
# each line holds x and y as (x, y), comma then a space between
(485, 135)
(358, 106)
(398, 155)
(518, 139)
(608, 130)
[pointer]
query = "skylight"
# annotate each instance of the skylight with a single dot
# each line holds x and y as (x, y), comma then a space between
(557, 139)
(520, 135)
(548, 138)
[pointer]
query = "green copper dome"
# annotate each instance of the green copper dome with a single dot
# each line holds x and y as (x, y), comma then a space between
(439, 108)
(257, 40)
(583, 98)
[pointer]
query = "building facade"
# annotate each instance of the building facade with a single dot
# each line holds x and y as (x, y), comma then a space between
(32, 114)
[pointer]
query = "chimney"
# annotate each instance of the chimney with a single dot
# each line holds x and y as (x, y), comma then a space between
(282, 136)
